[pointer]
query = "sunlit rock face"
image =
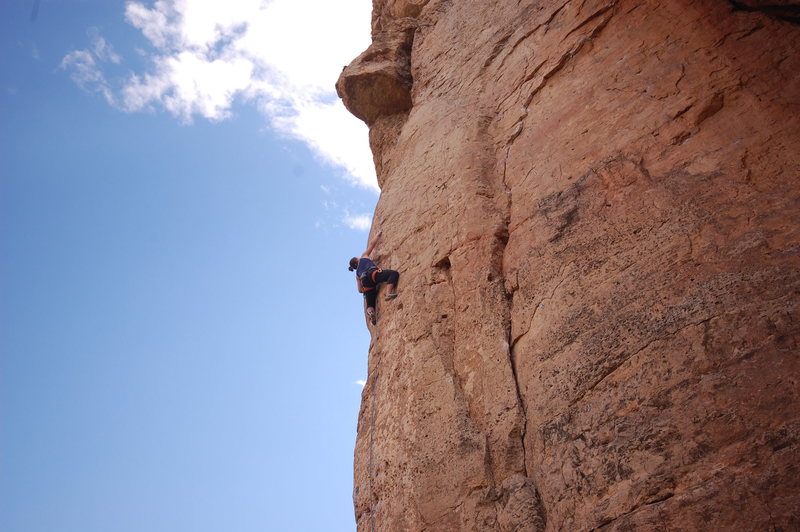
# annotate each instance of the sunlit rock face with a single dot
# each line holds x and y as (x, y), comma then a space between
(594, 207)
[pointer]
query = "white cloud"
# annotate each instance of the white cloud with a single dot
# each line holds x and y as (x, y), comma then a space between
(102, 49)
(333, 133)
(85, 72)
(360, 222)
(361, 382)
(282, 55)
(85, 66)
(153, 23)
(187, 84)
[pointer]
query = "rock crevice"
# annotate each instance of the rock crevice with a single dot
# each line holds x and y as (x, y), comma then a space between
(788, 11)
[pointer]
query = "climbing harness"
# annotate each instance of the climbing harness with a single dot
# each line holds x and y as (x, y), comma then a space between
(371, 274)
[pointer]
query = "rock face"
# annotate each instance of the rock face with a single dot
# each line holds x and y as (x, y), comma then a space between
(595, 210)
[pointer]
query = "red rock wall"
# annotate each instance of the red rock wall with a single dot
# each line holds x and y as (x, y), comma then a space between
(595, 210)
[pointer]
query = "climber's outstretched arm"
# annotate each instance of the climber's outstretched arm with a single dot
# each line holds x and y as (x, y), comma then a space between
(372, 244)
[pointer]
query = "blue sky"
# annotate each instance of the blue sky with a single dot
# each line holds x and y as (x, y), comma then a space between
(180, 339)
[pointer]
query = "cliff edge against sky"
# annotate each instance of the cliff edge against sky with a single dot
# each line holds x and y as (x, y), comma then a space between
(595, 210)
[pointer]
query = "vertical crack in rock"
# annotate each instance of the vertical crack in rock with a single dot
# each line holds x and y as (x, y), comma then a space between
(514, 372)
(510, 308)
(520, 494)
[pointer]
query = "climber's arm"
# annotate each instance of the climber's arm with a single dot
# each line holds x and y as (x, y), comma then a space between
(372, 244)
(360, 286)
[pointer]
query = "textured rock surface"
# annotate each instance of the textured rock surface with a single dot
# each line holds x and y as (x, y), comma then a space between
(595, 207)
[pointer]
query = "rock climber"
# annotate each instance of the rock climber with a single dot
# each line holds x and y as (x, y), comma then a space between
(369, 276)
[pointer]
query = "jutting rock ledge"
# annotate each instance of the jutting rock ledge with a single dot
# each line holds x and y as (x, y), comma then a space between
(595, 207)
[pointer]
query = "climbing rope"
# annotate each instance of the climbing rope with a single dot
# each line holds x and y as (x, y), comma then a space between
(370, 470)
(373, 412)
(373, 398)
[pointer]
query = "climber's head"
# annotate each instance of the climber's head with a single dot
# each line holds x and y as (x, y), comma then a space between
(353, 264)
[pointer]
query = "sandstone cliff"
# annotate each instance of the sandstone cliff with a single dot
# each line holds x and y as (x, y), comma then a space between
(595, 209)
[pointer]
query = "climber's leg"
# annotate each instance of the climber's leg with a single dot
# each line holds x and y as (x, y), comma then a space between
(390, 277)
(370, 296)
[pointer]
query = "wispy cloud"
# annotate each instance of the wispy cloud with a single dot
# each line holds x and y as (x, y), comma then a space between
(205, 56)
(86, 73)
(359, 222)
(361, 382)
(102, 49)
(85, 66)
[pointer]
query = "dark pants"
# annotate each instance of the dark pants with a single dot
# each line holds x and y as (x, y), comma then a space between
(385, 276)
